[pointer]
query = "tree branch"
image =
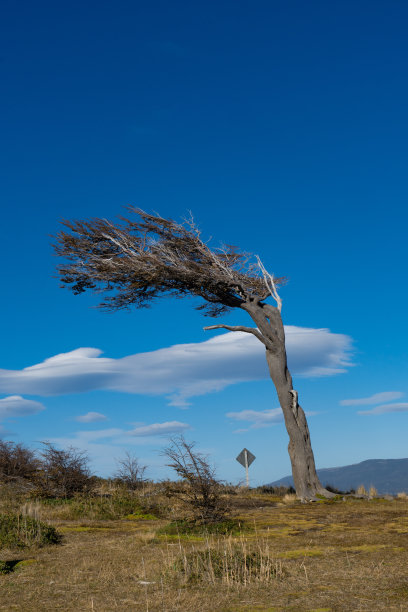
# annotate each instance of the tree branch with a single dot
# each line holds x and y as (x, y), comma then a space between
(249, 330)
(270, 284)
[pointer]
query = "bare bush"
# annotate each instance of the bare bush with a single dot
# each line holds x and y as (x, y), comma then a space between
(64, 472)
(17, 463)
(200, 491)
(130, 472)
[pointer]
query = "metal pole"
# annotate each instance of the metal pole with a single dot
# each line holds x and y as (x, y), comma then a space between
(246, 468)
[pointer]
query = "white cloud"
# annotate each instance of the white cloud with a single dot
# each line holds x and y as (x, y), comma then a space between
(159, 429)
(386, 408)
(16, 406)
(377, 398)
(91, 417)
(257, 418)
(183, 370)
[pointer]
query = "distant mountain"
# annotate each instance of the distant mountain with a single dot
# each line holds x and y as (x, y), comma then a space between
(386, 475)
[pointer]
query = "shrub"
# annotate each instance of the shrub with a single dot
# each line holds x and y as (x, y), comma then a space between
(130, 472)
(201, 492)
(63, 472)
(338, 491)
(279, 490)
(6, 567)
(19, 531)
(17, 462)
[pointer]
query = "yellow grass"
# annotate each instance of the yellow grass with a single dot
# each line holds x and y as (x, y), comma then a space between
(345, 555)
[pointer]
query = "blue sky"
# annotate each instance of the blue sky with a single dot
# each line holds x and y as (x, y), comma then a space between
(283, 127)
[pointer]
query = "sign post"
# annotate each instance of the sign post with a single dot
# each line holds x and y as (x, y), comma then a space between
(245, 458)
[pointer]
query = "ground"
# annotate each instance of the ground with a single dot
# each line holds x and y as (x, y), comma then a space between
(325, 556)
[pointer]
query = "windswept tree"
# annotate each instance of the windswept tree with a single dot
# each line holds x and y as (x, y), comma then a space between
(143, 258)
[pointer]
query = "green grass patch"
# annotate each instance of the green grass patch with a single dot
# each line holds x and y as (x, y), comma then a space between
(191, 528)
(83, 528)
(297, 554)
(141, 517)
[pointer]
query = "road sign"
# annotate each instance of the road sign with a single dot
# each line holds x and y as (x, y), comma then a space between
(250, 458)
(245, 458)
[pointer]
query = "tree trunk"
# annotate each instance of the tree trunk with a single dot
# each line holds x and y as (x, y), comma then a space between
(306, 481)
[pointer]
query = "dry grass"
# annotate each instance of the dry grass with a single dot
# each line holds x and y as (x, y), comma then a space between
(345, 555)
(289, 498)
(372, 492)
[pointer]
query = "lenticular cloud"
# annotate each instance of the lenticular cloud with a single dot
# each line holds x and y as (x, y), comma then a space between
(180, 371)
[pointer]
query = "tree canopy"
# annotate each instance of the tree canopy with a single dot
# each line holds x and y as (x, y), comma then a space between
(141, 259)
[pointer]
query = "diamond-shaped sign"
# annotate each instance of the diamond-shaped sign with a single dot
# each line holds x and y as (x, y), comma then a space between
(249, 457)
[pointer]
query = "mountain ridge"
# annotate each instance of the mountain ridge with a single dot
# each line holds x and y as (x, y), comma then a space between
(388, 476)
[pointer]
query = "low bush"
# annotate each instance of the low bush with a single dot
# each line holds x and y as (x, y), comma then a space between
(6, 567)
(199, 491)
(130, 472)
(18, 464)
(20, 531)
(63, 473)
(339, 491)
(279, 491)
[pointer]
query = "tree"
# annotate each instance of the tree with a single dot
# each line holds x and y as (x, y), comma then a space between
(202, 493)
(130, 472)
(136, 261)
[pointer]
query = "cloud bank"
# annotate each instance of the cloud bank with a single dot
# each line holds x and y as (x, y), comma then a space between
(181, 371)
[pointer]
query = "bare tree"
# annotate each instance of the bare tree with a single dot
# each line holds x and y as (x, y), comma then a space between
(202, 493)
(137, 261)
(130, 471)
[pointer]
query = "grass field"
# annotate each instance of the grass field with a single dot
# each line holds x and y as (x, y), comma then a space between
(325, 556)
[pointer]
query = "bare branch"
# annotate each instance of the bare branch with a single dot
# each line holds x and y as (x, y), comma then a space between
(243, 328)
(270, 284)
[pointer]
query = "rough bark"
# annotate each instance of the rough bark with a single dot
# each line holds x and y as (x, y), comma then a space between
(269, 323)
